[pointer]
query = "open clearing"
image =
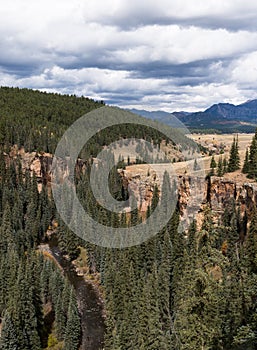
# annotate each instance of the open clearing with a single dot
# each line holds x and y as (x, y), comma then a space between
(181, 168)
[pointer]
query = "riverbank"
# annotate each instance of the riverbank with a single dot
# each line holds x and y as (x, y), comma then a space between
(90, 303)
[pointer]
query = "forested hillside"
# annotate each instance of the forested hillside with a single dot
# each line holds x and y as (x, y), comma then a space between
(32, 287)
(36, 120)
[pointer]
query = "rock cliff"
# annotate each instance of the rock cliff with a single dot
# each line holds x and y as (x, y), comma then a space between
(193, 192)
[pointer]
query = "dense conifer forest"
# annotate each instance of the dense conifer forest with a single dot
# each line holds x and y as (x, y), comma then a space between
(177, 291)
(30, 283)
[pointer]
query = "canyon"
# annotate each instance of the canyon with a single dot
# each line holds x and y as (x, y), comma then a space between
(193, 192)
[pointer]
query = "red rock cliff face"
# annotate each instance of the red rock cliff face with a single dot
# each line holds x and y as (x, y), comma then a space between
(194, 193)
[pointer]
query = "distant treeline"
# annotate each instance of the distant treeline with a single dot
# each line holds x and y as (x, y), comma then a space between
(224, 129)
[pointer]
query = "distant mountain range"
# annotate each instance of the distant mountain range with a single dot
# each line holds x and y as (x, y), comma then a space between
(221, 117)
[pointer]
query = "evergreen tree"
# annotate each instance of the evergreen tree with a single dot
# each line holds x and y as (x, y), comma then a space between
(220, 171)
(232, 305)
(155, 338)
(196, 165)
(134, 215)
(237, 160)
(155, 198)
(7, 240)
(8, 340)
(191, 241)
(60, 319)
(225, 165)
(164, 285)
(234, 159)
(167, 194)
(252, 167)
(245, 338)
(213, 165)
(251, 245)
(73, 328)
(246, 167)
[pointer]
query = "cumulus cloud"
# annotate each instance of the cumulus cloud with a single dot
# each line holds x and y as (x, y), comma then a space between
(147, 54)
(232, 14)
(244, 70)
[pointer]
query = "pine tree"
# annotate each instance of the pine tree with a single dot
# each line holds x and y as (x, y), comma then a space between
(134, 214)
(164, 281)
(220, 171)
(4, 279)
(234, 158)
(196, 165)
(252, 170)
(237, 156)
(155, 198)
(155, 338)
(68, 241)
(246, 167)
(167, 194)
(245, 338)
(60, 319)
(232, 305)
(8, 338)
(73, 328)
(6, 231)
(24, 313)
(251, 245)
(213, 165)
(191, 241)
(225, 165)
(33, 266)
(32, 224)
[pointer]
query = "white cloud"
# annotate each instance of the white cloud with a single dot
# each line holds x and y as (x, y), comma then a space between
(85, 44)
(191, 98)
(149, 94)
(244, 70)
(148, 54)
(182, 45)
(136, 12)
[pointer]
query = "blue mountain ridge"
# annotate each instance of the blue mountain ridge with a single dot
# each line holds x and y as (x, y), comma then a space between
(223, 117)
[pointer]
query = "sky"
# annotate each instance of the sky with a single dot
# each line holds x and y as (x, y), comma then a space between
(168, 55)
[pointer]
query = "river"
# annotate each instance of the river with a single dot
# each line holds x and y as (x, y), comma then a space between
(90, 305)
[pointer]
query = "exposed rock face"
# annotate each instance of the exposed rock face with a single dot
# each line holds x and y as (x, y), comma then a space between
(142, 187)
(194, 193)
(191, 191)
(192, 196)
(40, 164)
(37, 163)
(223, 191)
